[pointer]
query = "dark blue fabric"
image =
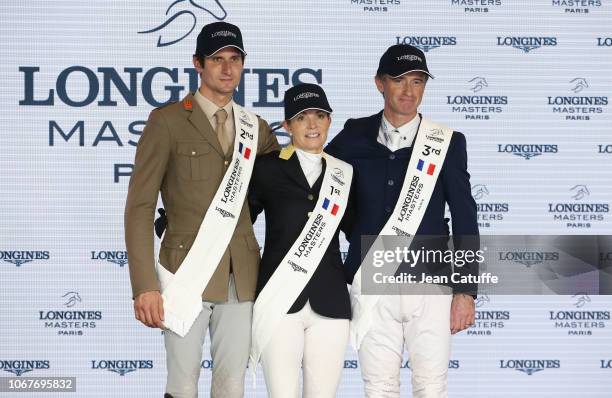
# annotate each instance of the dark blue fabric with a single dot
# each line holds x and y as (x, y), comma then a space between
(378, 177)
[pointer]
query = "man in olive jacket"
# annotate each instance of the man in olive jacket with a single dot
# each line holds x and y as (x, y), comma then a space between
(184, 152)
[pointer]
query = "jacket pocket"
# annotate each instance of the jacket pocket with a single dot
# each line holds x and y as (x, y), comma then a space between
(174, 248)
(192, 160)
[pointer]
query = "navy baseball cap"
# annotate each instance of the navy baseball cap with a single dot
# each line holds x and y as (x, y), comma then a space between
(400, 59)
(217, 36)
(303, 97)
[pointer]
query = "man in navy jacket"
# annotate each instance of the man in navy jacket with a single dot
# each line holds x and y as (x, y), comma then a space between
(379, 148)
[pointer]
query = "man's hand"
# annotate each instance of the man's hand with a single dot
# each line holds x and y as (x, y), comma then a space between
(149, 309)
(463, 312)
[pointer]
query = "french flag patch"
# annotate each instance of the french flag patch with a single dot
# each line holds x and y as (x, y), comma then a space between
(428, 167)
(244, 151)
(333, 209)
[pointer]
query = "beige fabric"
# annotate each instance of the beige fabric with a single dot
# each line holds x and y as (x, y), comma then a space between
(221, 116)
(230, 339)
(180, 155)
(210, 108)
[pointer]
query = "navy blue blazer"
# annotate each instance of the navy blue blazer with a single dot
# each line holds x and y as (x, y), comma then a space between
(280, 188)
(378, 177)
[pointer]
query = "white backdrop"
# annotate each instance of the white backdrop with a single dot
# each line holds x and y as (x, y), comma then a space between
(78, 81)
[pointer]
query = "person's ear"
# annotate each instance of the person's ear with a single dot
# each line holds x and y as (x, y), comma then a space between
(286, 127)
(379, 84)
(197, 65)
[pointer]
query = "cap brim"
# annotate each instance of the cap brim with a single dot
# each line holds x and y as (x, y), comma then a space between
(229, 45)
(413, 70)
(309, 109)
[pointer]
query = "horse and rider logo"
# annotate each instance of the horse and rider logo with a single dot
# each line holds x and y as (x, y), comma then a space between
(581, 299)
(479, 191)
(181, 19)
(579, 191)
(481, 300)
(71, 299)
(478, 83)
(579, 84)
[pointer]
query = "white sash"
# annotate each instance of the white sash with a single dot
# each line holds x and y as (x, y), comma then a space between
(302, 260)
(424, 167)
(182, 291)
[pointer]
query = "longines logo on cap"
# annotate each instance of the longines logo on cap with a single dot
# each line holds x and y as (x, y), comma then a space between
(579, 213)
(578, 107)
(477, 107)
(526, 43)
(19, 367)
(180, 19)
(527, 151)
(476, 5)
(427, 43)
(305, 95)
(410, 57)
(529, 366)
(581, 320)
(119, 257)
(122, 367)
(375, 5)
(223, 33)
(576, 7)
(20, 257)
(489, 212)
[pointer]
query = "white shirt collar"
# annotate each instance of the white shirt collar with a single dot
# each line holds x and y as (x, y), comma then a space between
(309, 156)
(210, 108)
(405, 132)
(409, 128)
(311, 163)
